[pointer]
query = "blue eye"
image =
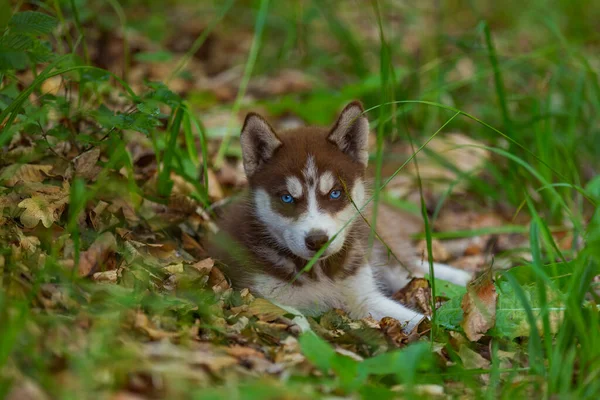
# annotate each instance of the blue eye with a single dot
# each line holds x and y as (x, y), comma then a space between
(335, 194)
(287, 198)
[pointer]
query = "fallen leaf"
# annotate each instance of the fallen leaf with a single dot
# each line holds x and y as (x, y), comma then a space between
(37, 209)
(416, 295)
(438, 250)
(243, 352)
(204, 266)
(192, 246)
(265, 310)
(16, 173)
(479, 306)
(98, 254)
(471, 359)
(28, 243)
(106, 276)
(217, 281)
(421, 391)
(393, 330)
(85, 164)
(143, 324)
(174, 268)
(214, 187)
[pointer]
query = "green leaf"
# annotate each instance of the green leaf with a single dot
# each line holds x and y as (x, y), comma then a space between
(511, 316)
(404, 364)
(450, 314)
(593, 187)
(32, 22)
(317, 351)
(41, 52)
(154, 57)
(15, 42)
(447, 289)
(12, 60)
(163, 94)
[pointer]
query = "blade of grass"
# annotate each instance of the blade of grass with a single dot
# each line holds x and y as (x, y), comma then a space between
(256, 43)
(164, 184)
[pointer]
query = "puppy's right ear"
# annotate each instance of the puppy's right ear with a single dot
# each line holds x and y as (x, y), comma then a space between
(259, 143)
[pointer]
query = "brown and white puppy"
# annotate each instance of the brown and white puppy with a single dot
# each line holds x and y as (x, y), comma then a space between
(307, 186)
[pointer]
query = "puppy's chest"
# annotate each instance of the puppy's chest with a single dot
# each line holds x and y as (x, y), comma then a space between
(313, 293)
(316, 290)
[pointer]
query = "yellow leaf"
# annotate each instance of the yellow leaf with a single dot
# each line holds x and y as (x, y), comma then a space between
(36, 209)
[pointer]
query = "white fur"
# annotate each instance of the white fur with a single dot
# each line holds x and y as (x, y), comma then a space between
(358, 295)
(326, 182)
(310, 169)
(394, 277)
(294, 186)
(450, 274)
(291, 233)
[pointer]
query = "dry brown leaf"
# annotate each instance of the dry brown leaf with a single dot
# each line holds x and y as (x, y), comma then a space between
(471, 359)
(28, 243)
(37, 209)
(479, 306)
(426, 391)
(438, 250)
(217, 281)
(243, 352)
(85, 164)
(204, 266)
(24, 172)
(393, 330)
(214, 187)
(143, 324)
(98, 254)
(265, 310)
(106, 276)
(416, 295)
(46, 205)
(191, 245)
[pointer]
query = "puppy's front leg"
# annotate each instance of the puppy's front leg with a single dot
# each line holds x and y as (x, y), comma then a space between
(362, 298)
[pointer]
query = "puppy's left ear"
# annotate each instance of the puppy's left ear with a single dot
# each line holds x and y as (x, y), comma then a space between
(351, 133)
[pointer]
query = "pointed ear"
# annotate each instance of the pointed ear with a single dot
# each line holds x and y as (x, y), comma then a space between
(351, 133)
(259, 143)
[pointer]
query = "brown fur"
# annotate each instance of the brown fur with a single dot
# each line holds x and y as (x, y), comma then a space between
(241, 242)
(289, 160)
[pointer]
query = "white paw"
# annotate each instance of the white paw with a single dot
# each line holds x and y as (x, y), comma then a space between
(451, 274)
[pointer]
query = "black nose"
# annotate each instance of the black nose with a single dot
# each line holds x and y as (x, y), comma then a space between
(315, 240)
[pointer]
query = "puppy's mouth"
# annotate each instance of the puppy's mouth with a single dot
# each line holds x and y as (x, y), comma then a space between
(309, 255)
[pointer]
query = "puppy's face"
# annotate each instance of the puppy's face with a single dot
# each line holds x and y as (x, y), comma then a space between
(307, 183)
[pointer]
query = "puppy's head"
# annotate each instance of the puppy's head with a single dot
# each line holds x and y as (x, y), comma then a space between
(307, 183)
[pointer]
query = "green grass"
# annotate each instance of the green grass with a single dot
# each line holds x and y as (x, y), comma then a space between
(521, 81)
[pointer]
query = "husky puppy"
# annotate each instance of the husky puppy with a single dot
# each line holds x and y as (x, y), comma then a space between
(307, 186)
